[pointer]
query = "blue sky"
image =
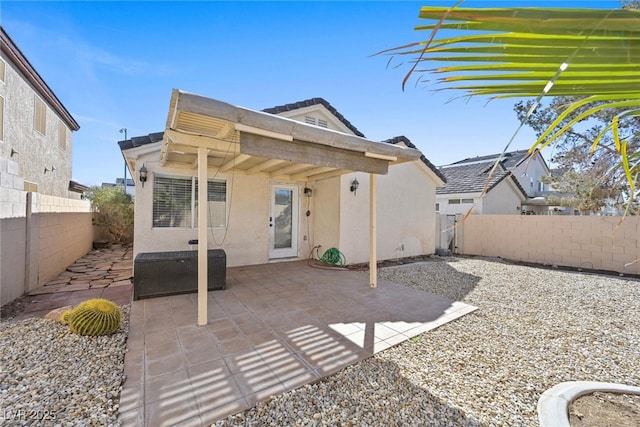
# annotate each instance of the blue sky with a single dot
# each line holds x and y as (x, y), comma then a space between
(114, 64)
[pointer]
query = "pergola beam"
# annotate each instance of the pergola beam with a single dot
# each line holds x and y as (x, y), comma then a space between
(264, 165)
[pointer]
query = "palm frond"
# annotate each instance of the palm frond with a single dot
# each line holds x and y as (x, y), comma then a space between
(537, 52)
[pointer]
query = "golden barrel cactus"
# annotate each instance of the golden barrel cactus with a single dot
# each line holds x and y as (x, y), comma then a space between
(94, 317)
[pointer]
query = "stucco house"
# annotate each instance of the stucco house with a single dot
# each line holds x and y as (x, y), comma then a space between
(45, 226)
(516, 186)
(280, 182)
(35, 132)
(465, 184)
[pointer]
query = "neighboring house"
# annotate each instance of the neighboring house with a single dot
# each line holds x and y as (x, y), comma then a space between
(528, 169)
(35, 131)
(131, 186)
(43, 223)
(465, 182)
(281, 182)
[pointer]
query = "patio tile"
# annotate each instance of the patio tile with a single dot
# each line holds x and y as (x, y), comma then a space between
(234, 345)
(168, 386)
(163, 365)
(255, 380)
(267, 333)
(300, 380)
(132, 418)
(266, 393)
(213, 386)
(286, 365)
(244, 362)
(178, 410)
(211, 416)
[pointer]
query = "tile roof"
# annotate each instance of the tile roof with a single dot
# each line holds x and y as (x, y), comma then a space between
(157, 136)
(138, 141)
(308, 103)
(472, 178)
(397, 139)
(509, 160)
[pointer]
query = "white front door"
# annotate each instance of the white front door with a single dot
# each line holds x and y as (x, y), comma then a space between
(283, 221)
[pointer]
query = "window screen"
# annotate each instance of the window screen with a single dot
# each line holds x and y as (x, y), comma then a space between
(175, 202)
(172, 202)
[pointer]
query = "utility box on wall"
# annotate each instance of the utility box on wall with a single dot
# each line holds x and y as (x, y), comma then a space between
(169, 273)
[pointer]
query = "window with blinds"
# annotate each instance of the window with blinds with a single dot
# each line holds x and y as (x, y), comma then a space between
(175, 202)
(40, 116)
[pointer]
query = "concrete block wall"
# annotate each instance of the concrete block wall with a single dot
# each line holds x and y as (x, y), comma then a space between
(37, 245)
(12, 195)
(590, 242)
(64, 237)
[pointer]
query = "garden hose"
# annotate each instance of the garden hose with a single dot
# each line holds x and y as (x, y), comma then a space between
(334, 257)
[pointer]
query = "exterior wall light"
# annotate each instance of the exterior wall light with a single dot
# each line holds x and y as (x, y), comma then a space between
(354, 186)
(143, 175)
(308, 192)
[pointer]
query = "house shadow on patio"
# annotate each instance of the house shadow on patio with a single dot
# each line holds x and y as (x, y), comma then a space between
(275, 328)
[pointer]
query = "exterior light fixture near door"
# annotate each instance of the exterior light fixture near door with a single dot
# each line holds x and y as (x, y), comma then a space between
(143, 175)
(354, 186)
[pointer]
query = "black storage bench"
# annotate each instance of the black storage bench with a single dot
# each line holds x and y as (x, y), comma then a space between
(158, 274)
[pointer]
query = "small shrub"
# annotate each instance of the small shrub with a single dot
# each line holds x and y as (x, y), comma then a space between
(113, 212)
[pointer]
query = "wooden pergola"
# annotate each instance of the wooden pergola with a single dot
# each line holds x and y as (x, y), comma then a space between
(205, 134)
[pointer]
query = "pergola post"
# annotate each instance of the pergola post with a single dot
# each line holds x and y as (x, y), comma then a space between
(373, 263)
(203, 216)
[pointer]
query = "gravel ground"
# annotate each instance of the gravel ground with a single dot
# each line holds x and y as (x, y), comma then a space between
(51, 377)
(534, 329)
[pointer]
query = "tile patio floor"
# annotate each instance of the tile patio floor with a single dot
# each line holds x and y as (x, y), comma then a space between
(275, 328)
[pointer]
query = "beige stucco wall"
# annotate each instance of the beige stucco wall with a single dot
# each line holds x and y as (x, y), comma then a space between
(406, 219)
(405, 214)
(589, 242)
(35, 151)
(246, 239)
(503, 199)
(325, 215)
(36, 247)
(461, 208)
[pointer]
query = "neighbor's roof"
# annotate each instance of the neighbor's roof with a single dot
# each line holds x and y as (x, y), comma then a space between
(138, 141)
(310, 102)
(472, 178)
(15, 55)
(509, 160)
(397, 139)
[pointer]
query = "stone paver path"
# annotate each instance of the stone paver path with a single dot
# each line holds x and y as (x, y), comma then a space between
(102, 273)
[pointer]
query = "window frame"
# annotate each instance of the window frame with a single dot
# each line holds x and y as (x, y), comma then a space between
(62, 136)
(39, 106)
(191, 214)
